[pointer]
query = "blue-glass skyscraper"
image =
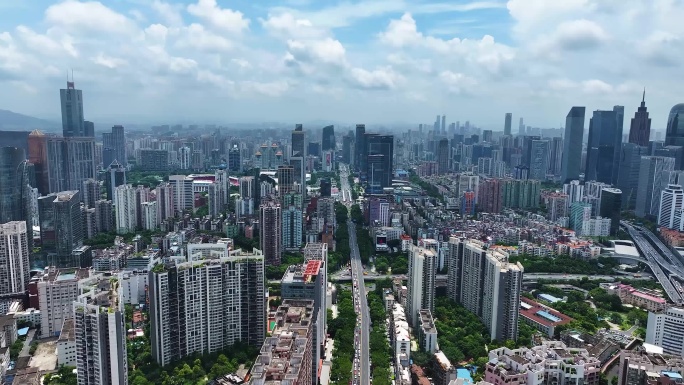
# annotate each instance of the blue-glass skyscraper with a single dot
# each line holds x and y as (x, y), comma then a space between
(604, 145)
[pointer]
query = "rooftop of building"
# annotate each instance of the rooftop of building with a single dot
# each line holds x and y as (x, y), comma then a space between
(282, 353)
(103, 291)
(53, 274)
(442, 360)
(304, 273)
(67, 333)
(517, 361)
(427, 323)
(542, 314)
(656, 360)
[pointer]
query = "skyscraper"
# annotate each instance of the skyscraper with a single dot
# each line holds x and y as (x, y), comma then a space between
(90, 192)
(165, 202)
(100, 334)
(421, 282)
(507, 123)
(292, 221)
(671, 204)
(328, 138)
(285, 175)
(521, 127)
(79, 161)
(572, 144)
(61, 228)
(539, 159)
(604, 144)
(299, 145)
(443, 124)
(555, 156)
(487, 285)
(648, 192)
(14, 257)
(114, 146)
(15, 188)
(347, 145)
(234, 159)
(72, 111)
(611, 206)
(38, 156)
(674, 135)
(443, 156)
(360, 148)
(205, 305)
(379, 162)
(628, 176)
(270, 231)
(640, 127)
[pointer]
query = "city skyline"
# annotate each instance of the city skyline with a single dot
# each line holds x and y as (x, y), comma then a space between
(197, 61)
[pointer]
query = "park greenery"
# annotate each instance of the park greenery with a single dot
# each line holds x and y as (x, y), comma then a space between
(357, 215)
(64, 376)
(274, 272)
(463, 337)
(341, 329)
(196, 369)
(380, 351)
(365, 243)
(398, 262)
(565, 264)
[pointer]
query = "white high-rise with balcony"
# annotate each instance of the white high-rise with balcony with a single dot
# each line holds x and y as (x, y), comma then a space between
(671, 205)
(421, 283)
(14, 257)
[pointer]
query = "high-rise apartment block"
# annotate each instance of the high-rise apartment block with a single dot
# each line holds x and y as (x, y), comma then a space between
(671, 205)
(486, 284)
(309, 281)
(126, 213)
(100, 334)
(286, 355)
(188, 299)
(165, 202)
(270, 231)
(666, 329)
(292, 221)
(14, 257)
(421, 283)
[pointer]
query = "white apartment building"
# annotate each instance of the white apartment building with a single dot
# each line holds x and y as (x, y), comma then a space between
(133, 287)
(486, 284)
(57, 290)
(149, 215)
(14, 257)
(666, 329)
(100, 334)
(66, 345)
(421, 282)
(671, 205)
(541, 364)
(220, 301)
(125, 208)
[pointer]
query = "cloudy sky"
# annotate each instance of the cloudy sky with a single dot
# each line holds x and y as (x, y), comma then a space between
(373, 61)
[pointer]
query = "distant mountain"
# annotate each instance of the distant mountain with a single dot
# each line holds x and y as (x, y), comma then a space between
(13, 121)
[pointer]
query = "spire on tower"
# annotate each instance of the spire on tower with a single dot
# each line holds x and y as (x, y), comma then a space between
(643, 98)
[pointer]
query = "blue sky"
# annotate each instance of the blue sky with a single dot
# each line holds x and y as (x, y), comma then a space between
(371, 61)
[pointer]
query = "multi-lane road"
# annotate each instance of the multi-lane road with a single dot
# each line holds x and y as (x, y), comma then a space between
(664, 264)
(361, 365)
